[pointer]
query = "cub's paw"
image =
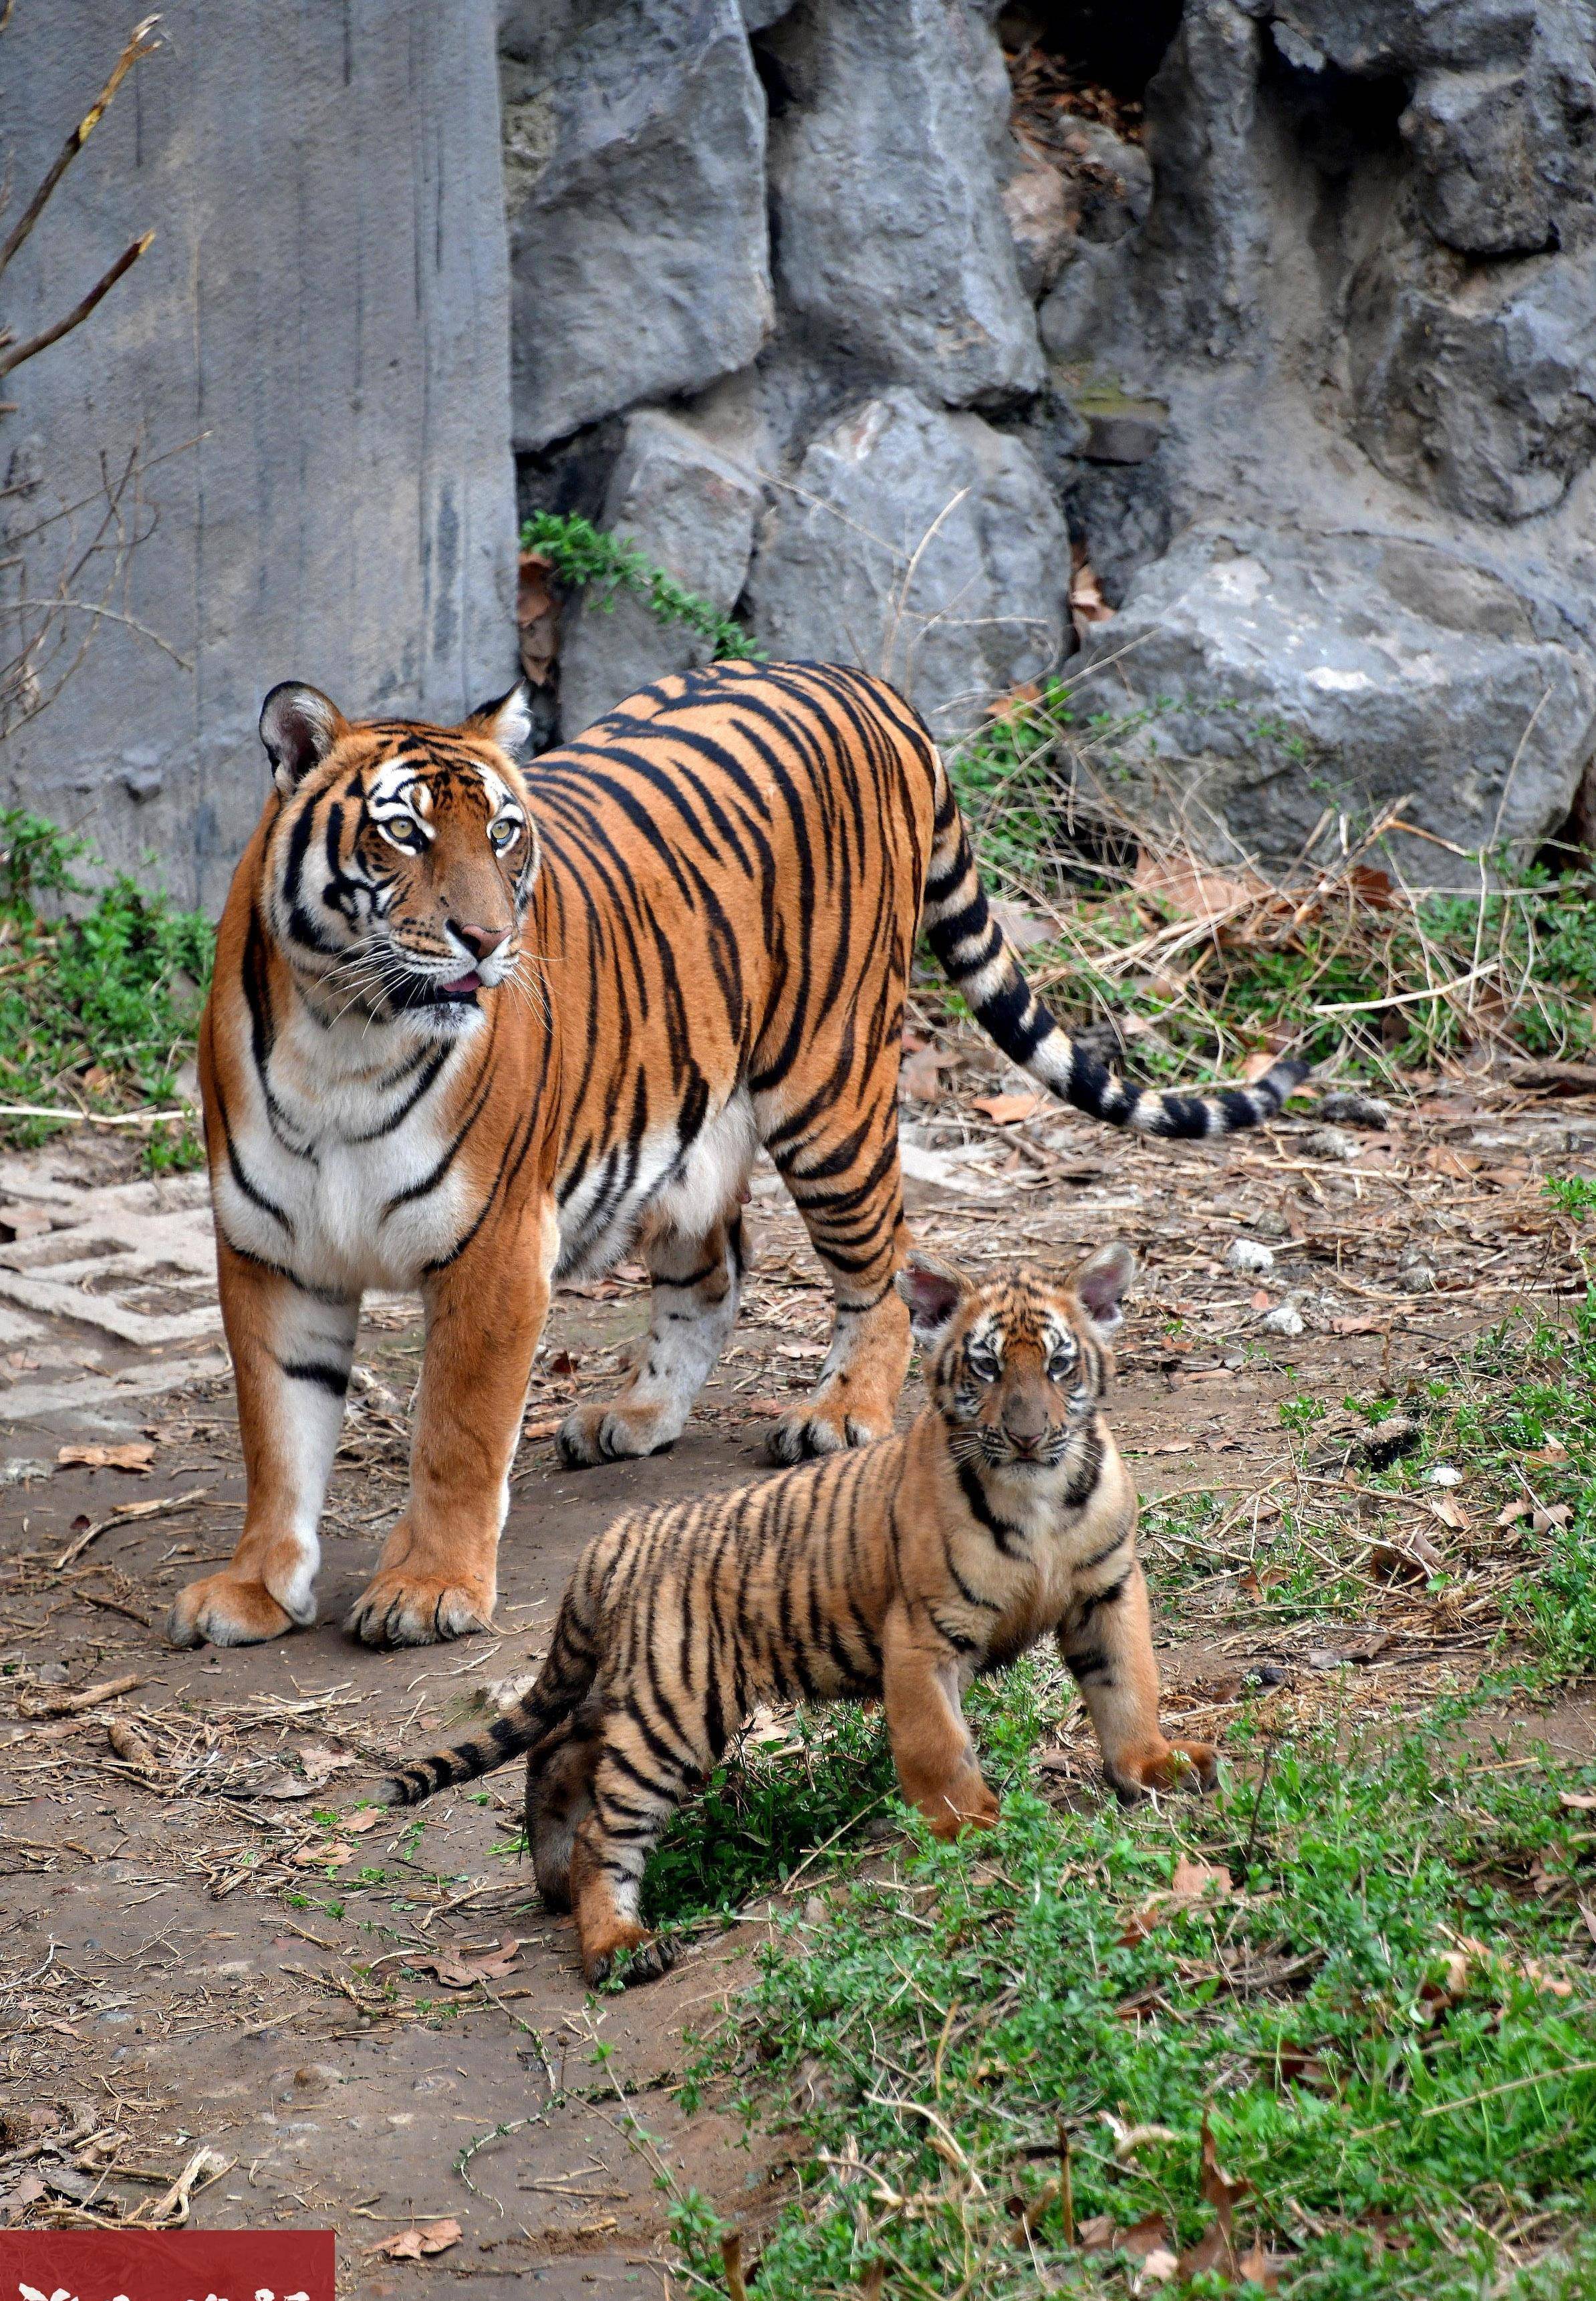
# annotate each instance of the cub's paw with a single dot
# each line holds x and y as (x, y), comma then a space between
(612, 1432)
(821, 1426)
(418, 1609)
(628, 1954)
(1170, 1766)
(226, 1610)
(962, 1809)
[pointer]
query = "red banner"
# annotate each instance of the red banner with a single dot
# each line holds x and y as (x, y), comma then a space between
(166, 2265)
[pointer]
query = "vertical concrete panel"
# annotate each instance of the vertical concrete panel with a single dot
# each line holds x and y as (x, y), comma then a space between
(307, 376)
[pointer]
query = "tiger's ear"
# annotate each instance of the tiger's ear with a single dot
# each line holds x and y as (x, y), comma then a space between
(507, 720)
(298, 727)
(1100, 1282)
(933, 1291)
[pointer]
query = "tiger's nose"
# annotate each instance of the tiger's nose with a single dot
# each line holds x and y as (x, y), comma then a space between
(480, 942)
(1025, 1422)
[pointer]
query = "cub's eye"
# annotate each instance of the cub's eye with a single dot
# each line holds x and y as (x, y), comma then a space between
(982, 1361)
(1061, 1363)
(503, 834)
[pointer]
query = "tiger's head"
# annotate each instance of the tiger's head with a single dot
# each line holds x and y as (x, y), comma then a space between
(401, 861)
(1015, 1367)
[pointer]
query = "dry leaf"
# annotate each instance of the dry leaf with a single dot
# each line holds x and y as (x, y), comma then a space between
(457, 1972)
(921, 1074)
(323, 1857)
(1159, 2267)
(1441, 1159)
(1513, 1511)
(1256, 2268)
(1087, 603)
(1450, 1511)
(1191, 1882)
(1360, 1326)
(368, 1817)
(1148, 2236)
(319, 1762)
(1191, 893)
(136, 1454)
(1579, 1801)
(1009, 1109)
(1021, 927)
(419, 2244)
(1545, 1521)
(1096, 2233)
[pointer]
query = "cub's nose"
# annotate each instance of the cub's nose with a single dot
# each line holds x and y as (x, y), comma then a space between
(480, 942)
(1025, 1424)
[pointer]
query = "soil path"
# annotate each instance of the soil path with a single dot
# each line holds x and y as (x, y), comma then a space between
(200, 1954)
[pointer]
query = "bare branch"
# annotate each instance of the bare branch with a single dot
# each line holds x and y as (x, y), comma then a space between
(139, 44)
(79, 312)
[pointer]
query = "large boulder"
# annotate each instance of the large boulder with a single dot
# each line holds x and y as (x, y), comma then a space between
(690, 506)
(1478, 391)
(922, 545)
(891, 242)
(1263, 678)
(634, 181)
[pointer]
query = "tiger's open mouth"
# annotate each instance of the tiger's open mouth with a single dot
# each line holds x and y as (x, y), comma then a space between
(464, 987)
(410, 992)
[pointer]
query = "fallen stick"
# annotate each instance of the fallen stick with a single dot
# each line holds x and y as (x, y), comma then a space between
(129, 1514)
(88, 1697)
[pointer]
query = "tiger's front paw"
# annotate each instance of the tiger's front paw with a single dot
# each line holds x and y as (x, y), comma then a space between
(1170, 1766)
(613, 1433)
(823, 1425)
(228, 1610)
(418, 1609)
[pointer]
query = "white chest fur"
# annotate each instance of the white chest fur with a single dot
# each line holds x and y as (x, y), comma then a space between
(334, 1171)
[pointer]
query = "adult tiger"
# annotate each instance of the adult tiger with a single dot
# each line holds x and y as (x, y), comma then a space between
(474, 1027)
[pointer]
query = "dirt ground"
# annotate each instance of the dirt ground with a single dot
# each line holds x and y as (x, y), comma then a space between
(198, 1956)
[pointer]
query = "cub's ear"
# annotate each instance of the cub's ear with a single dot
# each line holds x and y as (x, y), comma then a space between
(933, 1291)
(298, 727)
(1100, 1282)
(507, 720)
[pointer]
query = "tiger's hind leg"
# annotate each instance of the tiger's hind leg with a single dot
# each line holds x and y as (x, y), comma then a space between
(635, 1790)
(843, 1173)
(559, 1798)
(691, 1242)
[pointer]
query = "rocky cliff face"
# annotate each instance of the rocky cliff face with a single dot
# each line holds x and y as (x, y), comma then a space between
(1285, 322)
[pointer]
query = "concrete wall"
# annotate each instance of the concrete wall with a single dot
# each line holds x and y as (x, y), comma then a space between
(304, 384)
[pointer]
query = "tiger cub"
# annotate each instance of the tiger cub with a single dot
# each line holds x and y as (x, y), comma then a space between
(901, 1570)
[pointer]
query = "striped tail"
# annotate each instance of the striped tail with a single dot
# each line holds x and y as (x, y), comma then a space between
(982, 964)
(563, 1681)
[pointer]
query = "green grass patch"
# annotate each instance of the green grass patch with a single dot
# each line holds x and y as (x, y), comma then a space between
(1399, 2103)
(98, 1010)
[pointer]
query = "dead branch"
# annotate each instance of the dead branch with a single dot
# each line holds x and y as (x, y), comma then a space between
(140, 43)
(80, 311)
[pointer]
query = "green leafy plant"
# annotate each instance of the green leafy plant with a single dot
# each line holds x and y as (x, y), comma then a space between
(97, 1010)
(585, 557)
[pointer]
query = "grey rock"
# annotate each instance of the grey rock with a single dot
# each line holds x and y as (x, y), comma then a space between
(1285, 1319)
(1476, 389)
(1269, 676)
(690, 509)
(634, 159)
(921, 545)
(1040, 222)
(305, 379)
(1478, 144)
(1329, 1143)
(1249, 1257)
(891, 237)
(1416, 1278)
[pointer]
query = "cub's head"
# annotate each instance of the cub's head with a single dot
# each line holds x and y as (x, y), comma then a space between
(1015, 1367)
(399, 867)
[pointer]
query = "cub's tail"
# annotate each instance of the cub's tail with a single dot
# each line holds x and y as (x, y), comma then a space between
(562, 1682)
(982, 964)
